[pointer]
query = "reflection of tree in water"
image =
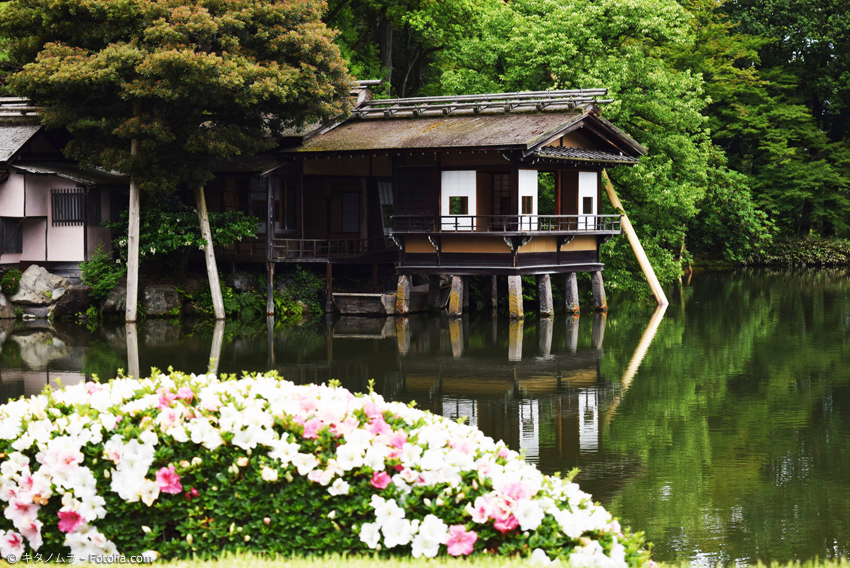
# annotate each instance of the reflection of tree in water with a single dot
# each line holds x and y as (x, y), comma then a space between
(740, 418)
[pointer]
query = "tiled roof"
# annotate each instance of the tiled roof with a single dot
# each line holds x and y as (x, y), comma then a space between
(74, 173)
(582, 155)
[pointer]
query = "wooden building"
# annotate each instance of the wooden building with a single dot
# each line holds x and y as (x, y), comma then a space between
(449, 186)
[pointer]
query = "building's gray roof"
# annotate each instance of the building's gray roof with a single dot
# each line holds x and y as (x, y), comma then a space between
(486, 131)
(13, 137)
(74, 173)
(583, 155)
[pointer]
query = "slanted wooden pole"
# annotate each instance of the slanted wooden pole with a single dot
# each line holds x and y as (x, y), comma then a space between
(600, 303)
(642, 259)
(215, 347)
(133, 243)
(270, 289)
(209, 254)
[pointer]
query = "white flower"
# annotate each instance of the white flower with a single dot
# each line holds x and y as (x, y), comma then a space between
(398, 533)
(305, 463)
(432, 533)
(370, 534)
(350, 456)
(539, 558)
(149, 492)
(269, 474)
(529, 514)
(339, 487)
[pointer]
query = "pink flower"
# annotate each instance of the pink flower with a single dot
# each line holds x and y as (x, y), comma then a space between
(169, 480)
(516, 490)
(502, 453)
(380, 480)
(372, 411)
(312, 427)
(345, 427)
(460, 540)
(398, 438)
(185, 393)
(166, 398)
(31, 529)
(507, 524)
(11, 543)
(379, 426)
(69, 520)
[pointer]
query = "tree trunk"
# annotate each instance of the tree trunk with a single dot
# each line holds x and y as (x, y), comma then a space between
(133, 245)
(212, 270)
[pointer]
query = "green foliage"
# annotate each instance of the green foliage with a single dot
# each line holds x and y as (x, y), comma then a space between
(192, 81)
(170, 229)
(11, 281)
(304, 286)
(101, 273)
(806, 251)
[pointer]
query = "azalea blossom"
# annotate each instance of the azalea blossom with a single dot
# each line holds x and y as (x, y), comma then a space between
(460, 541)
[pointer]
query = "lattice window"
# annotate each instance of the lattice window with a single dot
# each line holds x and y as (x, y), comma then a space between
(11, 235)
(502, 194)
(75, 206)
(352, 212)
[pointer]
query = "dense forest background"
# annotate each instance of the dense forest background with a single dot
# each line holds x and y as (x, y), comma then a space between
(744, 105)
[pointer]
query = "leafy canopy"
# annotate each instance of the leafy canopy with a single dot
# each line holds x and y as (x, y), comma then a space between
(192, 81)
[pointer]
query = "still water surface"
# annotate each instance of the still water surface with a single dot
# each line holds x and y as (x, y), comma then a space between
(720, 428)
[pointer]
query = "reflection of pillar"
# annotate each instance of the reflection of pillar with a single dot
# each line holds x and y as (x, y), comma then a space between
(270, 341)
(132, 350)
(402, 295)
(544, 296)
(545, 328)
(494, 293)
(572, 294)
(456, 335)
(515, 340)
(402, 334)
(434, 292)
(330, 333)
(456, 297)
(494, 327)
(600, 304)
(515, 297)
(215, 347)
(599, 320)
(572, 333)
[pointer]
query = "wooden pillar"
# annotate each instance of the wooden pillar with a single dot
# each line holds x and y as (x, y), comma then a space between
(215, 347)
(546, 327)
(434, 293)
(456, 297)
(494, 293)
(456, 336)
(402, 295)
(132, 338)
(598, 331)
(572, 333)
(329, 294)
(270, 289)
(600, 304)
(270, 342)
(544, 296)
(515, 339)
(572, 294)
(515, 297)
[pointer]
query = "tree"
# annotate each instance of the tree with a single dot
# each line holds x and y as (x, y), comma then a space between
(160, 89)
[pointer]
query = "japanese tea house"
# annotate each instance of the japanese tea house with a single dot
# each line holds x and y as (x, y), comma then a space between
(50, 208)
(450, 186)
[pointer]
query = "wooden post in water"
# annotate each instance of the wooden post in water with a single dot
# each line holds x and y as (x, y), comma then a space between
(572, 294)
(434, 293)
(544, 296)
(642, 259)
(456, 297)
(402, 296)
(515, 297)
(600, 303)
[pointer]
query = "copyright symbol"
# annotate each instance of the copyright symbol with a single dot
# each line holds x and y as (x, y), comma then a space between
(11, 559)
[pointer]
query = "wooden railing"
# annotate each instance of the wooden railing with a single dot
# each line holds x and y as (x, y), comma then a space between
(507, 223)
(329, 248)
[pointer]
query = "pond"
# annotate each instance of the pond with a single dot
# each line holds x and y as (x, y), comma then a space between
(719, 427)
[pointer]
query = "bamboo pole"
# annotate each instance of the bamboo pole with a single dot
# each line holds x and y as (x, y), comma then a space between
(209, 254)
(642, 259)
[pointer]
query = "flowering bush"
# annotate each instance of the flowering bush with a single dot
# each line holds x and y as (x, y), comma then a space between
(11, 281)
(176, 465)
